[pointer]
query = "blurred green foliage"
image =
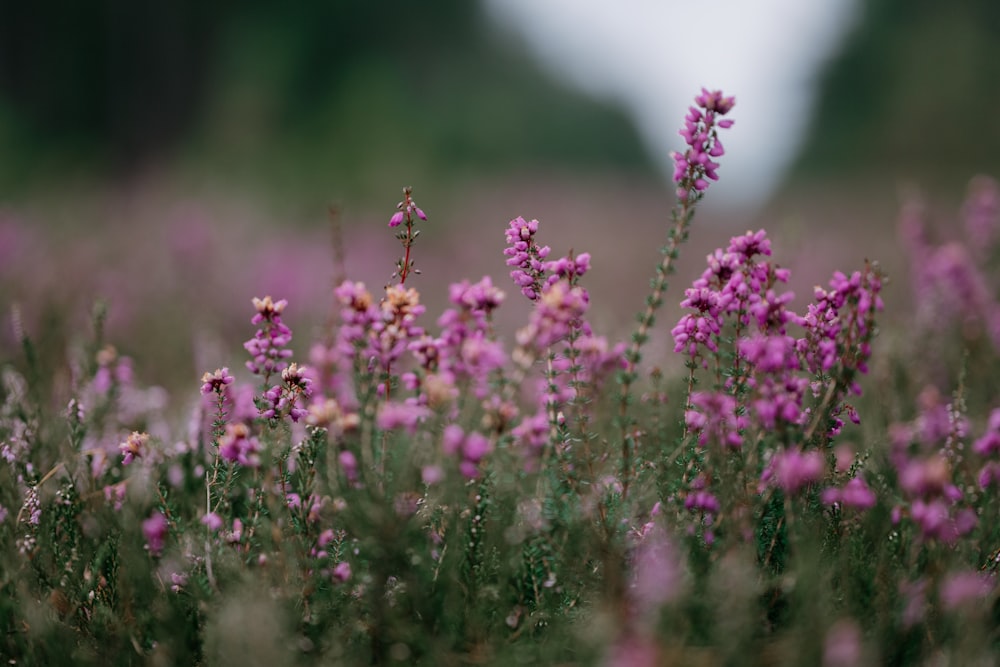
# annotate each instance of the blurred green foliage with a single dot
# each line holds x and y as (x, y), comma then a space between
(313, 96)
(911, 94)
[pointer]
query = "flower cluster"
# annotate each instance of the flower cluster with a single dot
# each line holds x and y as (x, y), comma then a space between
(738, 286)
(133, 447)
(560, 309)
(471, 448)
(465, 351)
(954, 283)
(855, 495)
(377, 335)
(714, 417)
(288, 397)
(216, 382)
(239, 445)
(700, 132)
(933, 499)
(526, 256)
(268, 346)
(792, 470)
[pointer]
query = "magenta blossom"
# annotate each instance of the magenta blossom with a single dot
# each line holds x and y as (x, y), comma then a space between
(695, 167)
(855, 494)
(792, 470)
(526, 256)
(216, 382)
(155, 531)
(134, 446)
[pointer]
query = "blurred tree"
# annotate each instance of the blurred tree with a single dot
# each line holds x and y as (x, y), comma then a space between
(285, 92)
(118, 77)
(912, 94)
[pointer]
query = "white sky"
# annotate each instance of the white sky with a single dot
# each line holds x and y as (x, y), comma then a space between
(654, 56)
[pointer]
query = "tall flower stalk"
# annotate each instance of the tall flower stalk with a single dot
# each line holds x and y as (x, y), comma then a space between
(693, 170)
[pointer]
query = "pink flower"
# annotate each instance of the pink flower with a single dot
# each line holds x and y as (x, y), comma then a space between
(268, 346)
(342, 571)
(526, 256)
(657, 575)
(793, 469)
(476, 446)
(855, 494)
(133, 447)
(696, 164)
(405, 210)
(237, 445)
(349, 464)
(392, 416)
(213, 521)
(431, 475)
(155, 531)
(216, 382)
(843, 645)
(961, 588)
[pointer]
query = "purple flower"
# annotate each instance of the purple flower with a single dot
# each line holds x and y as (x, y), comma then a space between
(478, 297)
(133, 447)
(842, 647)
(342, 571)
(961, 588)
(216, 382)
(405, 210)
(700, 132)
(700, 329)
(475, 447)
(982, 214)
(296, 384)
(349, 464)
(431, 475)
(713, 417)
(559, 310)
(989, 443)
(393, 415)
(571, 268)
(267, 347)
(472, 447)
(657, 574)
(213, 521)
(702, 501)
(855, 494)
(237, 445)
(526, 256)
(155, 531)
(793, 469)
(926, 477)
(533, 431)
(451, 439)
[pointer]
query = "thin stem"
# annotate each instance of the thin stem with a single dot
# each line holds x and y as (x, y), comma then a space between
(678, 234)
(407, 243)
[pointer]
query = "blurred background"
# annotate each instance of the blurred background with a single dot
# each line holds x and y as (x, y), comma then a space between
(176, 158)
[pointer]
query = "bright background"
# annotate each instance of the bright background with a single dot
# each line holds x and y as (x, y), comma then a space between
(178, 158)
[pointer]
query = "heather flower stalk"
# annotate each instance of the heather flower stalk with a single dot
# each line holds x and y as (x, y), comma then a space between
(691, 169)
(268, 346)
(526, 256)
(406, 211)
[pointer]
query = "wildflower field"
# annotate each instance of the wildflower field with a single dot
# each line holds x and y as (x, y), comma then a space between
(808, 486)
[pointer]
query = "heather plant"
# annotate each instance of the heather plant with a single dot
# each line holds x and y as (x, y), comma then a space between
(424, 491)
